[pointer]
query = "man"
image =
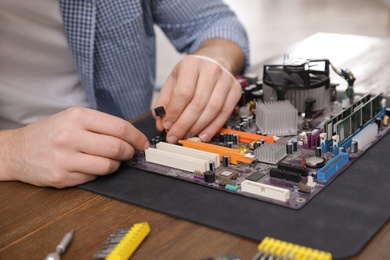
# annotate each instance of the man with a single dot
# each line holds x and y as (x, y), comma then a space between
(72, 71)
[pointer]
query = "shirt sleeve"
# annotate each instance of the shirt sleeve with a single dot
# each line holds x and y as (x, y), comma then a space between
(188, 23)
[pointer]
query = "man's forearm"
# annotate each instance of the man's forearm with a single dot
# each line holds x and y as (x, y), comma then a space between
(227, 53)
(6, 154)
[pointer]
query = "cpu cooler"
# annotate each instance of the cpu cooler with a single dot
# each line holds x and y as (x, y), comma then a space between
(298, 82)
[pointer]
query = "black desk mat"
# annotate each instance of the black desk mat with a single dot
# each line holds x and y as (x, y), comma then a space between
(341, 219)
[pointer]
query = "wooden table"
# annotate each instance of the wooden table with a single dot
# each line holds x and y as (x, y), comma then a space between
(33, 219)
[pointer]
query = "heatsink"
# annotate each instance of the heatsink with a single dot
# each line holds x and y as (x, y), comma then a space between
(270, 153)
(277, 118)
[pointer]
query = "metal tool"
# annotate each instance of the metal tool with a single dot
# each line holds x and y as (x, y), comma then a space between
(61, 247)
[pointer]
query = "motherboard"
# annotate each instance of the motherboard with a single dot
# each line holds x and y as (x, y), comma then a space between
(288, 138)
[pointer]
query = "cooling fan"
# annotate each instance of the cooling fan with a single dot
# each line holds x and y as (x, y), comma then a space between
(299, 82)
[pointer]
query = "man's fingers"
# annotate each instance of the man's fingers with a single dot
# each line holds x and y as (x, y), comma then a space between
(232, 98)
(105, 124)
(182, 92)
(72, 179)
(93, 165)
(195, 108)
(104, 146)
(213, 108)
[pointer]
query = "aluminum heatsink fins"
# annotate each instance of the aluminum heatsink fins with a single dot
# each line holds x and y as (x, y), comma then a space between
(277, 118)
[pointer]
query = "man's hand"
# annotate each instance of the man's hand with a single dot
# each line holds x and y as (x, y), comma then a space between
(68, 148)
(201, 93)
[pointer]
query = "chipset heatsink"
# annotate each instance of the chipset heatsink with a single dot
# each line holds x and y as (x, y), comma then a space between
(277, 118)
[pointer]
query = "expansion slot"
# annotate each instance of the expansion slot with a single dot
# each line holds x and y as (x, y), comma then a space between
(265, 190)
(189, 152)
(235, 156)
(332, 166)
(175, 160)
(248, 137)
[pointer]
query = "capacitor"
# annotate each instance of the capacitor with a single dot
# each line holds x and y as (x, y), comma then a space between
(242, 125)
(262, 141)
(289, 148)
(153, 142)
(258, 95)
(354, 147)
(222, 137)
(341, 149)
(226, 161)
(295, 145)
(229, 144)
(257, 144)
(238, 128)
(211, 166)
(235, 139)
(378, 121)
(228, 137)
(209, 176)
(318, 151)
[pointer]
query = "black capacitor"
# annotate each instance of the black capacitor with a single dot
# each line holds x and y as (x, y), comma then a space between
(262, 141)
(295, 145)
(258, 95)
(211, 166)
(242, 125)
(235, 139)
(153, 142)
(209, 176)
(289, 148)
(238, 127)
(226, 161)
(250, 121)
(354, 147)
(246, 121)
(228, 137)
(318, 152)
(229, 144)
(258, 132)
(163, 136)
(257, 144)
(342, 149)
(222, 138)
(378, 121)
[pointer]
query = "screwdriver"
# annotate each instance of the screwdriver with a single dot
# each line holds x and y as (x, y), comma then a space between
(61, 247)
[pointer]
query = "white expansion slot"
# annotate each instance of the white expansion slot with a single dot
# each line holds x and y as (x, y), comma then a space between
(175, 160)
(265, 190)
(189, 152)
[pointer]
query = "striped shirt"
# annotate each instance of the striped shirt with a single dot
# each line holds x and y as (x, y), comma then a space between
(113, 44)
